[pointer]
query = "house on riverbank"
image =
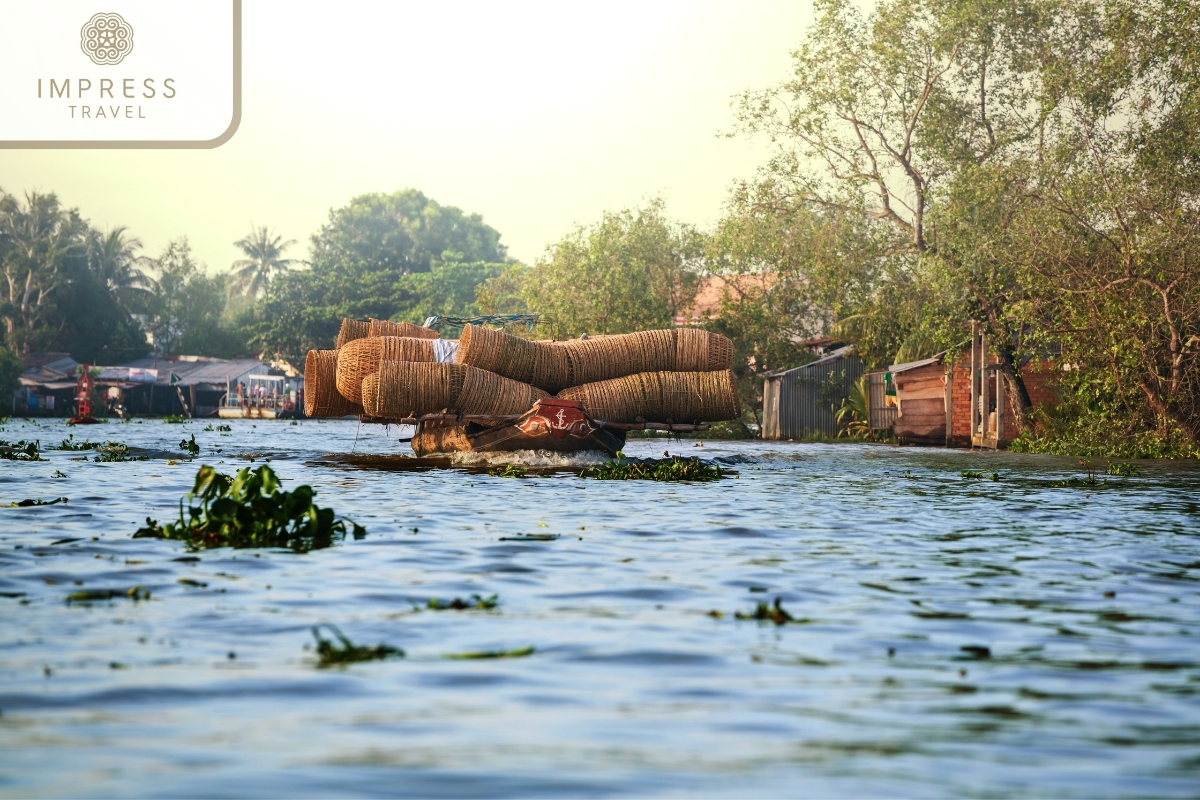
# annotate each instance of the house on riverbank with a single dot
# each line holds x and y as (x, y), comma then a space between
(802, 402)
(187, 385)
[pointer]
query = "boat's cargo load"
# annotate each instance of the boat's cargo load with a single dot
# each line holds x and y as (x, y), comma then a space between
(382, 327)
(553, 366)
(321, 397)
(402, 389)
(352, 329)
(660, 397)
(361, 357)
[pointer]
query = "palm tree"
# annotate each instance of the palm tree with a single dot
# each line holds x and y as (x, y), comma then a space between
(113, 259)
(263, 250)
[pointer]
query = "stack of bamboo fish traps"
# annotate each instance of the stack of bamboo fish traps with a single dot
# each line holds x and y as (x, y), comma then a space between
(389, 371)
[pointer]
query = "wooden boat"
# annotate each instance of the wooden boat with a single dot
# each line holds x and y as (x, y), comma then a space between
(551, 424)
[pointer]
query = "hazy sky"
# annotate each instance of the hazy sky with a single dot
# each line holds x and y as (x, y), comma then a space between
(538, 116)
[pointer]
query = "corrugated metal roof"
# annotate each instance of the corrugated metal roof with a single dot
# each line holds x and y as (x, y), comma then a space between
(214, 371)
(925, 362)
(803, 401)
(834, 356)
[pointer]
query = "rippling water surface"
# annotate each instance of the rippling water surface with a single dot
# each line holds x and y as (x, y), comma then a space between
(899, 573)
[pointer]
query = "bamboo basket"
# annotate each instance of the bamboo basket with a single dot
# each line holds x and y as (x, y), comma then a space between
(321, 397)
(361, 357)
(698, 350)
(382, 327)
(660, 397)
(554, 366)
(352, 329)
(403, 389)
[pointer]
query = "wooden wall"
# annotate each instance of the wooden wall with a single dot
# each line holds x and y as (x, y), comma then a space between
(921, 396)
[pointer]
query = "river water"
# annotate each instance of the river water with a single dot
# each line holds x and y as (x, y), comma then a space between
(952, 637)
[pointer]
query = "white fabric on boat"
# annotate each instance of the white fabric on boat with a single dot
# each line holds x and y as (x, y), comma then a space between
(444, 350)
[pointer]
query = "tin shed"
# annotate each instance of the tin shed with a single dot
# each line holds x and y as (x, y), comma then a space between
(803, 402)
(920, 400)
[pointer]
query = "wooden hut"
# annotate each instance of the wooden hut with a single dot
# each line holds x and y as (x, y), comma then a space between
(921, 390)
(802, 402)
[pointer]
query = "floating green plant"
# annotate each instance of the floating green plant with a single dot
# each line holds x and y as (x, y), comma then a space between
(225, 428)
(671, 468)
(970, 474)
(251, 510)
(37, 501)
(100, 595)
(1122, 469)
(520, 652)
(27, 502)
(116, 452)
(190, 447)
(70, 444)
(769, 612)
(458, 604)
(174, 419)
(331, 655)
(21, 451)
(510, 471)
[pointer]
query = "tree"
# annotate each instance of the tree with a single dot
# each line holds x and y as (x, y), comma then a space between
(185, 307)
(113, 260)
(40, 239)
(886, 114)
(634, 270)
(10, 372)
(397, 256)
(264, 259)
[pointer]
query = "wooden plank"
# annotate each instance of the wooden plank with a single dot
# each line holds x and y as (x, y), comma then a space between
(929, 392)
(920, 407)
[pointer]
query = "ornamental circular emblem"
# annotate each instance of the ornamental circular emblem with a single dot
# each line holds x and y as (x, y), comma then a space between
(106, 39)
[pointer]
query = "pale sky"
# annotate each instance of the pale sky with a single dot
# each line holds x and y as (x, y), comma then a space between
(538, 116)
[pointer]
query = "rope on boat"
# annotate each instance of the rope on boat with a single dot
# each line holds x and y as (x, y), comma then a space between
(503, 320)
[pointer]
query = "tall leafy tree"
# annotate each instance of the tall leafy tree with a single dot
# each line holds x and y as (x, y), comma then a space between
(634, 269)
(42, 243)
(264, 260)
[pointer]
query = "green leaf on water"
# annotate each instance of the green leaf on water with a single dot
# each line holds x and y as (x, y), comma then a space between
(478, 654)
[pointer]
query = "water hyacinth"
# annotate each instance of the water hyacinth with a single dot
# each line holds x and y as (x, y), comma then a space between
(251, 510)
(672, 468)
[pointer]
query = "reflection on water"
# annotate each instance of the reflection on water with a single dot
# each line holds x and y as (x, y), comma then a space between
(950, 636)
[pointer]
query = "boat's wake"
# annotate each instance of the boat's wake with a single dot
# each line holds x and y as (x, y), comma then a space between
(546, 459)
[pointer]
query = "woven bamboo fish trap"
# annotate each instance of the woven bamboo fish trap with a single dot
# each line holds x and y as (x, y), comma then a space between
(660, 397)
(698, 350)
(361, 357)
(403, 389)
(554, 366)
(352, 329)
(321, 397)
(382, 327)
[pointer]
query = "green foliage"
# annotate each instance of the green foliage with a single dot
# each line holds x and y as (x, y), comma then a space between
(509, 471)
(671, 468)
(398, 256)
(251, 275)
(116, 452)
(189, 446)
(634, 270)
(520, 652)
(854, 415)
(478, 602)
(21, 451)
(765, 612)
(67, 287)
(185, 306)
(174, 419)
(10, 372)
(134, 593)
(330, 654)
(251, 510)
(975, 475)
(70, 444)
